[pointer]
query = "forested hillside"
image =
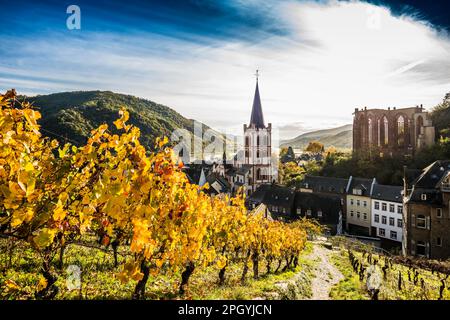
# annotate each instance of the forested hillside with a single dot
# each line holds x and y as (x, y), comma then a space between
(72, 115)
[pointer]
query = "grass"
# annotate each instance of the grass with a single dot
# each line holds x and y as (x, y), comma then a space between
(99, 278)
(349, 288)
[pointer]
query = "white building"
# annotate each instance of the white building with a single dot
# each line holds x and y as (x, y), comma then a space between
(387, 212)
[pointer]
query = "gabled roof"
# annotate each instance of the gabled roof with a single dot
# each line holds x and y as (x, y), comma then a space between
(387, 193)
(432, 174)
(272, 194)
(257, 118)
(361, 184)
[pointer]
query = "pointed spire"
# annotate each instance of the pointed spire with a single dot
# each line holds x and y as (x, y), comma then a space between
(202, 180)
(257, 117)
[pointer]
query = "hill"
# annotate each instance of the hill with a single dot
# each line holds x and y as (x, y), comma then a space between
(340, 137)
(71, 116)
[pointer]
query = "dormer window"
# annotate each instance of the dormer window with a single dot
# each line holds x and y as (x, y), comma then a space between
(423, 196)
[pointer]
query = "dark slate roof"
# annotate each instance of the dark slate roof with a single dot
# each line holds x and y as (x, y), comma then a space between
(361, 184)
(432, 174)
(272, 194)
(411, 175)
(330, 205)
(258, 195)
(257, 118)
(194, 170)
(215, 177)
(434, 196)
(387, 193)
(325, 184)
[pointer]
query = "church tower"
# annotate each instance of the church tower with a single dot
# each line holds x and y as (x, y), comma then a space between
(257, 145)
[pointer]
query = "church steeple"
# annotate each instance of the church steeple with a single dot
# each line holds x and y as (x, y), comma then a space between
(257, 118)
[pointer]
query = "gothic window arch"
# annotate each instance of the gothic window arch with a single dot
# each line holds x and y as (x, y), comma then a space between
(384, 131)
(401, 130)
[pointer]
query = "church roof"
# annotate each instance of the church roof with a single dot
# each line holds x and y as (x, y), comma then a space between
(257, 118)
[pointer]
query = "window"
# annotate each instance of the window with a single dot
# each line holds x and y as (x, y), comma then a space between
(364, 216)
(423, 196)
(377, 205)
(420, 248)
(384, 206)
(439, 242)
(275, 209)
(400, 209)
(352, 202)
(383, 219)
(358, 203)
(391, 208)
(399, 223)
(358, 215)
(377, 218)
(381, 232)
(394, 235)
(299, 210)
(391, 221)
(357, 191)
(439, 212)
(308, 213)
(421, 221)
(352, 214)
(365, 203)
(319, 214)
(283, 210)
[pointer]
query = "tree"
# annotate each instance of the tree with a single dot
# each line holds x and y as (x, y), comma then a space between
(315, 147)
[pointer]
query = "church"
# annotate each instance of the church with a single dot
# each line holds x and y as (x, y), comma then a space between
(251, 167)
(257, 160)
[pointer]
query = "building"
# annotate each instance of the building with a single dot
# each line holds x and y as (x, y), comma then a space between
(387, 215)
(392, 131)
(258, 146)
(279, 200)
(285, 204)
(327, 187)
(359, 217)
(426, 216)
(326, 209)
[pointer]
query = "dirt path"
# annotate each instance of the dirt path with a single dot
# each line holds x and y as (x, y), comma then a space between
(326, 274)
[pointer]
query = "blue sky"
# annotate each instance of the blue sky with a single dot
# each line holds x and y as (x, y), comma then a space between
(318, 59)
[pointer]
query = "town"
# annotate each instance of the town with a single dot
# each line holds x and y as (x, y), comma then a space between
(412, 219)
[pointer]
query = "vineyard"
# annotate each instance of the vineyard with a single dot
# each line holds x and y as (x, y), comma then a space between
(382, 277)
(127, 217)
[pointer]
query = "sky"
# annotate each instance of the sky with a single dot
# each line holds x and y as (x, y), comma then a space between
(318, 60)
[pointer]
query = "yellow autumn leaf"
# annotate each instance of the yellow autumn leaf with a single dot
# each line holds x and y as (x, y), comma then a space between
(44, 237)
(59, 213)
(42, 284)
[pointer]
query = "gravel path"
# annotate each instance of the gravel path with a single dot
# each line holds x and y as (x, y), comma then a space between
(326, 274)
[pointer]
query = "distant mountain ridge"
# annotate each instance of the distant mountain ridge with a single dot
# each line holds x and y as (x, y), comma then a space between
(70, 116)
(340, 137)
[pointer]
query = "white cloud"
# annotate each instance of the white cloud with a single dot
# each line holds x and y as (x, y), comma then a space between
(339, 55)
